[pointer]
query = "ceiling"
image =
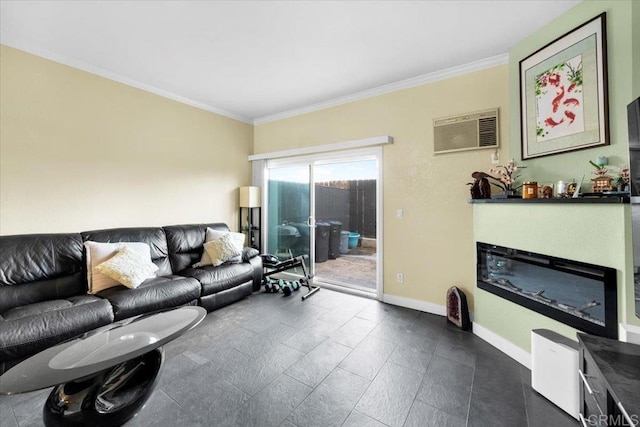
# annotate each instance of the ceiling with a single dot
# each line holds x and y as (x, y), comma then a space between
(260, 60)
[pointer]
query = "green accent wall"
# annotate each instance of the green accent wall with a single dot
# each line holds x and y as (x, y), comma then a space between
(635, 68)
(591, 233)
(598, 234)
(620, 59)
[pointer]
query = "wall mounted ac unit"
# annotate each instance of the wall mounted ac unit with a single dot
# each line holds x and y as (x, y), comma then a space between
(471, 131)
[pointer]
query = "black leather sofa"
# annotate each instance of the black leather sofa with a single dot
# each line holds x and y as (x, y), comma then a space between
(43, 284)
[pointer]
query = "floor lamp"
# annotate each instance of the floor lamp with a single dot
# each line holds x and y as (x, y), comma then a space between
(250, 200)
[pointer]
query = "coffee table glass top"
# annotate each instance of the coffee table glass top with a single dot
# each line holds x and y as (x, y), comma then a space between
(99, 349)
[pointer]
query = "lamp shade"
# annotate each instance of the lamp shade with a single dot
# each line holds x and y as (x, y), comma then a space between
(249, 197)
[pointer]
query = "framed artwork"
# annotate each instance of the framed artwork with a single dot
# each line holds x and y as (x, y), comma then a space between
(563, 93)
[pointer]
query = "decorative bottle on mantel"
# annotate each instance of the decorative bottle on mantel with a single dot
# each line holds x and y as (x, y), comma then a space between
(530, 190)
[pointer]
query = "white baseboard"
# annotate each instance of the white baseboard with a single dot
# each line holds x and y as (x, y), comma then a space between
(629, 333)
(415, 304)
(345, 289)
(502, 344)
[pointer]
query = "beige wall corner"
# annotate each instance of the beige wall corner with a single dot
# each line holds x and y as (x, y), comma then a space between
(78, 151)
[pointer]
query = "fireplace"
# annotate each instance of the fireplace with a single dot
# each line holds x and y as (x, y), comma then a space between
(580, 295)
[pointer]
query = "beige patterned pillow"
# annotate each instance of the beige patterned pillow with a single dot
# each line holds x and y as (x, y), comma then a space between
(97, 252)
(128, 267)
(222, 249)
(238, 239)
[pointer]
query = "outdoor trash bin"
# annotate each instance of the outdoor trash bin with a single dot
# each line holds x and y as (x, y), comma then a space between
(353, 239)
(344, 242)
(334, 239)
(322, 241)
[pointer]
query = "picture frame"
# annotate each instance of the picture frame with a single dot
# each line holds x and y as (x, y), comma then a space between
(564, 93)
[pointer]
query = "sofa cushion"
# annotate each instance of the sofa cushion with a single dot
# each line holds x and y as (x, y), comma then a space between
(222, 298)
(152, 295)
(28, 329)
(220, 278)
(185, 243)
(153, 236)
(39, 267)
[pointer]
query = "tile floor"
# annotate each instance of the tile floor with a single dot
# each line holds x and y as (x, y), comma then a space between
(332, 360)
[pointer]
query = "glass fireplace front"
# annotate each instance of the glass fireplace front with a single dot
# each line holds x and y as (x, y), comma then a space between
(578, 294)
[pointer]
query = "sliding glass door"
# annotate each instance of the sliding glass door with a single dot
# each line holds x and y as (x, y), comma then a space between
(346, 202)
(327, 206)
(289, 218)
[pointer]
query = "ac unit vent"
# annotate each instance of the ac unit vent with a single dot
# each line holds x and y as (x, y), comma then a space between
(466, 132)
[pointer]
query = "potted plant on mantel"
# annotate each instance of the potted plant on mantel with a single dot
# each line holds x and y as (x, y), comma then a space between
(506, 179)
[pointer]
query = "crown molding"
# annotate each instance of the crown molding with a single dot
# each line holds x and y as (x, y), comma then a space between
(459, 70)
(126, 80)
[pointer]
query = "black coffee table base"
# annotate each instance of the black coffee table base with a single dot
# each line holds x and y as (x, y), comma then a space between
(108, 398)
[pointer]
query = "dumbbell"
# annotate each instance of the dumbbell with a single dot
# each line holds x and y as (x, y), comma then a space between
(271, 286)
(295, 285)
(286, 288)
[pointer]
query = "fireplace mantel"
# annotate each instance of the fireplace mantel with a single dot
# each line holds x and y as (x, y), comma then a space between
(563, 201)
(593, 230)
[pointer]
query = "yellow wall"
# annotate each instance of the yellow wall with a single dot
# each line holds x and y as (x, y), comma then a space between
(79, 152)
(432, 245)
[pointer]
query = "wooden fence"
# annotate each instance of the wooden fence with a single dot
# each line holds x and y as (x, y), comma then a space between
(353, 203)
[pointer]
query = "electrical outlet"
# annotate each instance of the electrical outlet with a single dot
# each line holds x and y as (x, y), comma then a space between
(400, 278)
(399, 214)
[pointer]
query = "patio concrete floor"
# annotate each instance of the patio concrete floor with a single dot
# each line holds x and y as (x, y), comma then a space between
(358, 267)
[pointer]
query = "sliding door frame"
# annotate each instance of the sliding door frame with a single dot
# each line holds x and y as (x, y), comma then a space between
(312, 160)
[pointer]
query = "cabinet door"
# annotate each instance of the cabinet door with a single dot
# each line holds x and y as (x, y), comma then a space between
(592, 414)
(593, 383)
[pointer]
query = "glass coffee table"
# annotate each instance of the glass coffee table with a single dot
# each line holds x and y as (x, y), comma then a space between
(105, 376)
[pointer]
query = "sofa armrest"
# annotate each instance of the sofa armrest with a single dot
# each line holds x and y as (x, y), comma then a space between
(258, 270)
(248, 253)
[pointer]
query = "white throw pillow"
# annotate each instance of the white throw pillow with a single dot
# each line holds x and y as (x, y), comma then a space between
(97, 253)
(211, 235)
(222, 249)
(128, 267)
